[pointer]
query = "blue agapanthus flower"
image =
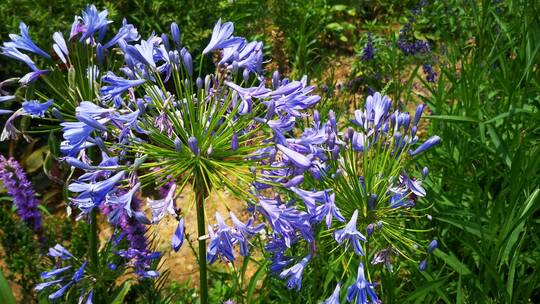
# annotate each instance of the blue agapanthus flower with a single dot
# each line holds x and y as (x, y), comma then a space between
(295, 273)
(221, 37)
(24, 42)
(362, 289)
(351, 234)
(36, 109)
(334, 298)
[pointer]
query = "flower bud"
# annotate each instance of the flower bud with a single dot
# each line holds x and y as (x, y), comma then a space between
(193, 145)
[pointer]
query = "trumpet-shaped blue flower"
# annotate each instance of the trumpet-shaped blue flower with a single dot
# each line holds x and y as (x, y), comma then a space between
(221, 37)
(432, 141)
(24, 42)
(127, 32)
(334, 298)
(92, 194)
(295, 273)
(14, 53)
(178, 236)
(362, 289)
(117, 86)
(222, 239)
(36, 109)
(351, 234)
(90, 23)
(244, 232)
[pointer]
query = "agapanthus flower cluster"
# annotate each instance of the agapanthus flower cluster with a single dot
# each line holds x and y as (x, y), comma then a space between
(157, 121)
(69, 272)
(16, 183)
(354, 184)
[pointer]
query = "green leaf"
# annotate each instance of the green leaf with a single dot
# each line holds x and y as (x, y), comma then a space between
(453, 118)
(253, 282)
(453, 262)
(119, 299)
(35, 160)
(6, 295)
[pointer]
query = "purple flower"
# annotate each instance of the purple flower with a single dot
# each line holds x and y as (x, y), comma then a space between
(221, 37)
(362, 289)
(36, 109)
(92, 194)
(178, 236)
(90, 23)
(350, 233)
(175, 32)
(432, 246)
(431, 75)
(296, 158)
(334, 298)
(127, 33)
(163, 206)
(20, 189)
(432, 141)
(117, 86)
(295, 273)
(222, 239)
(58, 251)
(368, 53)
(24, 42)
(244, 232)
(193, 145)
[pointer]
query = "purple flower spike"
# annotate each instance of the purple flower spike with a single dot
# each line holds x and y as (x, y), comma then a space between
(350, 233)
(361, 289)
(295, 273)
(19, 188)
(432, 141)
(334, 298)
(178, 237)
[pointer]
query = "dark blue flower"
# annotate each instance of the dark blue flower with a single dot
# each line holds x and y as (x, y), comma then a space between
(351, 234)
(117, 86)
(24, 42)
(334, 298)
(362, 289)
(178, 236)
(295, 273)
(221, 37)
(222, 239)
(432, 246)
(432, 141)
(36, 109)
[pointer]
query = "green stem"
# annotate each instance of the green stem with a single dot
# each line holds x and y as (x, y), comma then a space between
(93, 251)
(200, 195)
(92, 237)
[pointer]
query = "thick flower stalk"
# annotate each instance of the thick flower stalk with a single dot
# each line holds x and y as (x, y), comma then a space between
(20, 189)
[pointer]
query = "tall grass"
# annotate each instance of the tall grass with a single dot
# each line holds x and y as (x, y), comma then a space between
(485, 180)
